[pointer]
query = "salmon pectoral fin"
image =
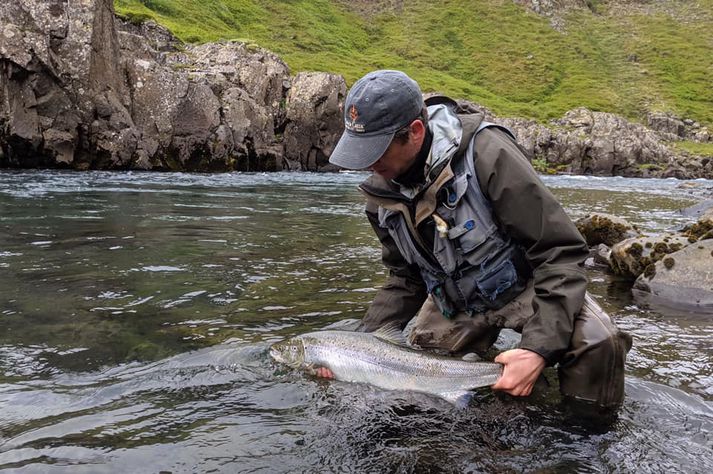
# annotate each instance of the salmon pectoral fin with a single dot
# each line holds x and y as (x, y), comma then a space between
(459, 398)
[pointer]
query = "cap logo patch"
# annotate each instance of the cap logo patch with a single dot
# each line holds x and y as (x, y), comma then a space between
(352, 124)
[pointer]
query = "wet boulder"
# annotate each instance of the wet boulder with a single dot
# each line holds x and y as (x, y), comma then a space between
(683, 279)
(632, 257)
(699, 209)
(600, 228)
(601, 255)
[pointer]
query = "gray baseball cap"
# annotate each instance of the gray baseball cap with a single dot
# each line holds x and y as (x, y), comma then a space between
(377, 105)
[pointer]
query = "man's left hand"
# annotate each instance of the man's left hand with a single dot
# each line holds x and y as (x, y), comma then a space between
(324, 373)
(521, 368)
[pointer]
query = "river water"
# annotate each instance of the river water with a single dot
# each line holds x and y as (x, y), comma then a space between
(136, 310)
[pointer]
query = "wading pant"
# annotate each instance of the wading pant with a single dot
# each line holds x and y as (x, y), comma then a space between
(592, 370)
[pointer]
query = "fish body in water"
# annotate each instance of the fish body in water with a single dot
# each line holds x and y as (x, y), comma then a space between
(380, 359)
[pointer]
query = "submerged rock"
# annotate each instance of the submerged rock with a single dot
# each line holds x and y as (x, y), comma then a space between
(699, 209)
(683, 279)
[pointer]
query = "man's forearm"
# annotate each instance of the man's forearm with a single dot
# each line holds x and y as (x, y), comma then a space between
(397, 301)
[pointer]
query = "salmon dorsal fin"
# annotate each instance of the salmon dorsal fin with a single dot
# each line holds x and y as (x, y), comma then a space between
(391, 332)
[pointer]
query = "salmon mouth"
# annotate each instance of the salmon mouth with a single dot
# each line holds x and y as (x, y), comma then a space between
(276, 354)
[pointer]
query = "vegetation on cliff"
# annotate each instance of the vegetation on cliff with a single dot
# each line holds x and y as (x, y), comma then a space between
(628, 61)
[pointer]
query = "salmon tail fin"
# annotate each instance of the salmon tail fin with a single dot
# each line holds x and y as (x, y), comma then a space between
(392, 333)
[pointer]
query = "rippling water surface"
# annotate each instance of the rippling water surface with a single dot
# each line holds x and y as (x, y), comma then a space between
(136, 310)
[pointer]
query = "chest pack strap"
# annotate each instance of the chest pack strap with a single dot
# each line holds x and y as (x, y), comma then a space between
(472, 126)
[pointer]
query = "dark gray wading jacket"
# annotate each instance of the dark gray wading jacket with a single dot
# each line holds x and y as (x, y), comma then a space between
(530, 230)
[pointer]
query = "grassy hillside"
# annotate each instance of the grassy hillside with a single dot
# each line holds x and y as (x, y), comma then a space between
(490, 51)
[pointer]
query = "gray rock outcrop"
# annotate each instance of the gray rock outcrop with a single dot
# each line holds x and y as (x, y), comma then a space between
(80, 89)
(677, 128)
(598, 143)
(553, 9)
(315, 98)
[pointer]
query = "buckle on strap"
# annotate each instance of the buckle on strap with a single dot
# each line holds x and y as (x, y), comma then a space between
(461, 229)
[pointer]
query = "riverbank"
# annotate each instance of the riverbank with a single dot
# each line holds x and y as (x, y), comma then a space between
(82, 89)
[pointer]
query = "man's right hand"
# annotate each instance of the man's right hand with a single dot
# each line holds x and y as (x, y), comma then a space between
(520, 372)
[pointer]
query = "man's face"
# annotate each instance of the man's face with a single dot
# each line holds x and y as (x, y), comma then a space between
(399, 157)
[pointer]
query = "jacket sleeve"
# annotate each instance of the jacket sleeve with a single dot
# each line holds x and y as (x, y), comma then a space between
(403, 293)
(553, 246)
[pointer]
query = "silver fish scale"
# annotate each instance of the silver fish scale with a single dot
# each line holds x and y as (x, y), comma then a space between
(362, 357)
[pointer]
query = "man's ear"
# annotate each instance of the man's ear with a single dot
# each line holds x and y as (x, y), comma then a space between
(418, 130)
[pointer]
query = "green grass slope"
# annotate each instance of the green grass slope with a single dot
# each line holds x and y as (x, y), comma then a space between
(492, 52)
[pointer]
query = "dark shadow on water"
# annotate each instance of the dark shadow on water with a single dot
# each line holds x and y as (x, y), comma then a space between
(619, 289)
(372, 430)
(407, 432)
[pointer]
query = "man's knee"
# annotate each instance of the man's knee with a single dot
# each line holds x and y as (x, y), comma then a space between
(593, 367)
(461, 334)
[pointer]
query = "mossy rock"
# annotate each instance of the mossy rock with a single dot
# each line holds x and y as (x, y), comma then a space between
(605, 229)
(632, 257)
(683, 279)
(699, 231)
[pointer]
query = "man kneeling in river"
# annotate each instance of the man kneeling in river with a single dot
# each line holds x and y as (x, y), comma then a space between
(474, 242)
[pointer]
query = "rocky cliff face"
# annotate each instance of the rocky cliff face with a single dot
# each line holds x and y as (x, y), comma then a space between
(603, 144)
(80, 89)
(586, 142)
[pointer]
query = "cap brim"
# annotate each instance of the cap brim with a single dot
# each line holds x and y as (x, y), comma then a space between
(357, 152)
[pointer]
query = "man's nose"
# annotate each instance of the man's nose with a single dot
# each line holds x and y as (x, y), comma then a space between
(373, 165)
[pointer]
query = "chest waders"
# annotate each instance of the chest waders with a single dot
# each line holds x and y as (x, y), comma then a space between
(472, 266)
